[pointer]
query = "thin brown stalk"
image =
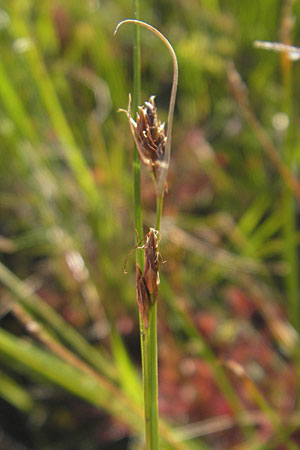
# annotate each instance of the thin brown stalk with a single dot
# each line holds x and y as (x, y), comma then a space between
(231, 263)
(287, 22)
(240, 94)
(280, 328)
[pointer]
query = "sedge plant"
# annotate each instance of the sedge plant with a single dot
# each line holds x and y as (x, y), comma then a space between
(154, 147)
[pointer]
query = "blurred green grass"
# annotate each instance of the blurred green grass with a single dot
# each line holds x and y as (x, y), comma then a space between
(229, 289)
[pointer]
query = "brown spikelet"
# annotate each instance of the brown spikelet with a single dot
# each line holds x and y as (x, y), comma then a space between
(151, 273)
(147, 283)
(154, 145)
(143, 297)
(149, 135)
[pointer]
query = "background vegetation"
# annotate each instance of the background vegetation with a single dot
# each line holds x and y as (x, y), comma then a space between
(229, 317)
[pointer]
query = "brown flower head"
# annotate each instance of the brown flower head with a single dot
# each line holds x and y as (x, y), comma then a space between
(149, 135)
(143, 297)
(153, 144)
(151, 273)
(147, 282)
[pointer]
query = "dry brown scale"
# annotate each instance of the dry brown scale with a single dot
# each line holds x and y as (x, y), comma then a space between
(147, 283)
(149, 136)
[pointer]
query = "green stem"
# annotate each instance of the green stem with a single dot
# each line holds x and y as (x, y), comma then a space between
(138, 219)
(151, 381)
(159, 207)
(150, 364)
(147, 337)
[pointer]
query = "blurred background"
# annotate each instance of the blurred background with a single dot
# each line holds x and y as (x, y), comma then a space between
(229, 312)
